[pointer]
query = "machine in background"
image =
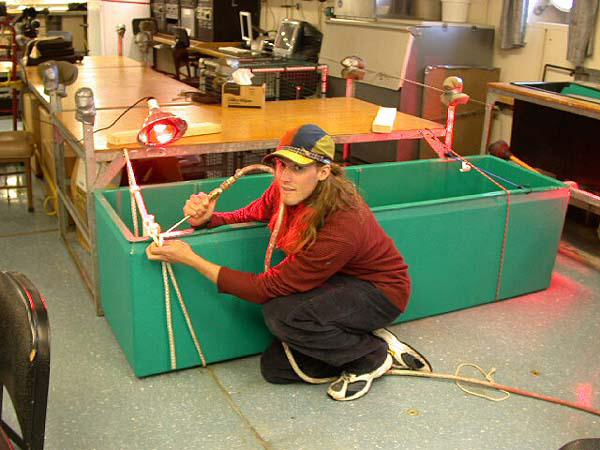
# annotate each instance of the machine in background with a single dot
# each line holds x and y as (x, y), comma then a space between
(158, 10)
(284, 79)
(171, 15)
(289, 69)
(398, 58)
(219, 21)
(187, 17)
(297, 39)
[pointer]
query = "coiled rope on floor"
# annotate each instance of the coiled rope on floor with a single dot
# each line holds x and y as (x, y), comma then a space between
(493, 385)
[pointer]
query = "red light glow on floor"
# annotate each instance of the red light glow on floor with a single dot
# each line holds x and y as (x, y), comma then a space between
(584, 392)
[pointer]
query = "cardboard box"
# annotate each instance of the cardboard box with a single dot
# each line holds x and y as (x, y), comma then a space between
(232, 94)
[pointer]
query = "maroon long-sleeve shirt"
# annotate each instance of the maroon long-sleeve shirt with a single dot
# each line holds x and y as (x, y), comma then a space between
(350, 242)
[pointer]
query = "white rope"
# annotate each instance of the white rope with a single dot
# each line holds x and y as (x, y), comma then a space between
(268, 256)
(488, 377)
(306, 378)
(132, 182)
(172, 351)
(188, 321)
(167, 272)
(496, 386)
(216, 192)
(136, 227)
(167, 269)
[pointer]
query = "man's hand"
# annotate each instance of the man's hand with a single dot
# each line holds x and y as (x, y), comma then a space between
(175, 252)
(179, 252)
(199, 208)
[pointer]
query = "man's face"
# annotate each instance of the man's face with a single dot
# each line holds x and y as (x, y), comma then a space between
(296, 182)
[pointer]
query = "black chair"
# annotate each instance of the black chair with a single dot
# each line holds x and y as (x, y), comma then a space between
(182, 57)
(582, 444)
(24, 359)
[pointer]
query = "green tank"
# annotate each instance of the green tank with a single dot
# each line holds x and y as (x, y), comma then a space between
(449, 225)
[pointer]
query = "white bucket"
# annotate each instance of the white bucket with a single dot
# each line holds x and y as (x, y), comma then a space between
(455, 10)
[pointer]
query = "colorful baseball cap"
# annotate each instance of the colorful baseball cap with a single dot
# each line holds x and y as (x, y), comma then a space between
(305, 145)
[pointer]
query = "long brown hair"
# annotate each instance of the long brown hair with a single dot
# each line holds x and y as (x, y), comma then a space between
(335, 193)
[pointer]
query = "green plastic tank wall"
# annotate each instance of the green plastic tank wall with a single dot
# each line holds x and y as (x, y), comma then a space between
(448, 224)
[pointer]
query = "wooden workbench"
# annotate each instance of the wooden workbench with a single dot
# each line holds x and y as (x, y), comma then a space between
(116, 83)
(205, 48)
(551, 131)
(507, 93)
(210, 49)
(347, 119)
(97, 62)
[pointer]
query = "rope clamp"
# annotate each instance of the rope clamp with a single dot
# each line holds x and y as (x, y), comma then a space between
(464, 167)
(151, 228)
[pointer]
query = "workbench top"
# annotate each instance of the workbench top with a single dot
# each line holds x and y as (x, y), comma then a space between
(99, 62)
(558, 99)
(347, 119)
(115, 86)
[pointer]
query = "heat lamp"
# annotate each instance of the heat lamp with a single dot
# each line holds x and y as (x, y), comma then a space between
(160, 128)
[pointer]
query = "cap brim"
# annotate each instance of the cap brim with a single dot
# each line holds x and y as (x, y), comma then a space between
(294, 157)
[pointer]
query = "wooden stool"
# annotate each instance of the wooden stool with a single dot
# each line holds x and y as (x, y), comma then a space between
(18, 147)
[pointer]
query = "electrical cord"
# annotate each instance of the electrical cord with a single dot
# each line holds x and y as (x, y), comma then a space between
(119, 117)
(129, 108)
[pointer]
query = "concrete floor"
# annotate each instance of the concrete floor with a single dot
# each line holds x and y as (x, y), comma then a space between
(545, 342)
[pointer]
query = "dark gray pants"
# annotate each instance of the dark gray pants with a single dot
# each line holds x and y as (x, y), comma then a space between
(328, 329)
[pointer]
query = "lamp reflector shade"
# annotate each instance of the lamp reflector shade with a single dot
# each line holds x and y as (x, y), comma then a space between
(161, 128)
